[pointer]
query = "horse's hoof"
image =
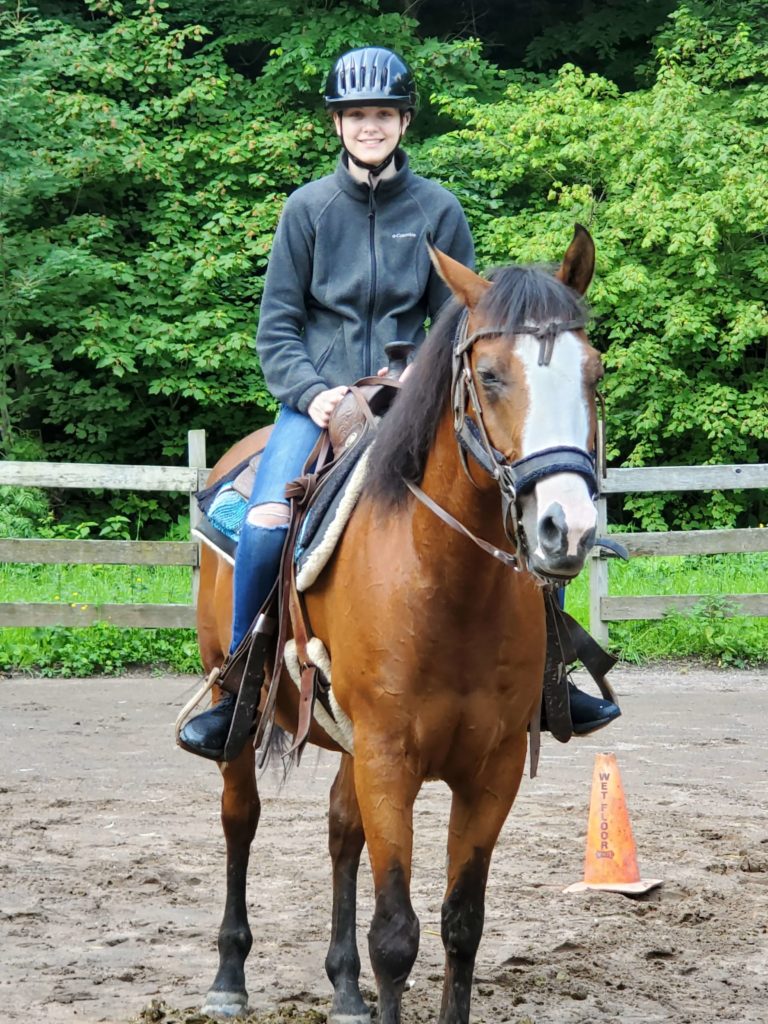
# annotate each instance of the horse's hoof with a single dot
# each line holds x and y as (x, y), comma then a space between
(224, 1004)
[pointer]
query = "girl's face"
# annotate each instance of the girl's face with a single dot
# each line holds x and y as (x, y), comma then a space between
(371, 133)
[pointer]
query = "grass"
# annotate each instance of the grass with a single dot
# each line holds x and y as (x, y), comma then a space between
(101, 649)
(96, 584)
(705, 634)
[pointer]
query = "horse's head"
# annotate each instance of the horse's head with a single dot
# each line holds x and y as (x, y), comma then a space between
(524, 386)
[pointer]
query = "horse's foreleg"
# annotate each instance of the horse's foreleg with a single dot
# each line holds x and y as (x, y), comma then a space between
(240, 808)
(345, 841)
(386, 788)
(477, 815)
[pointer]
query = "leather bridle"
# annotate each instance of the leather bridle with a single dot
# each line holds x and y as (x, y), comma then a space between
(514, 478)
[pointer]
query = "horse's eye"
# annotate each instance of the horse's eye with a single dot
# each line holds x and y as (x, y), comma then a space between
(493, 385)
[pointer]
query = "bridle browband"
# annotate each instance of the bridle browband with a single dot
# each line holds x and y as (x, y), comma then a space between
(513, 478)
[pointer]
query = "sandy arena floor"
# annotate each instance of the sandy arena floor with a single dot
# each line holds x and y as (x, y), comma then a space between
(112, 867)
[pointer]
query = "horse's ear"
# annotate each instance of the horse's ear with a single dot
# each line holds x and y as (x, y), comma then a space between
(578, 264)
(467, 286)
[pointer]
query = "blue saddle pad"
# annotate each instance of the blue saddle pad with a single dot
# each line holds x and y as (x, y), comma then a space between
(224, 509)
(227, 511)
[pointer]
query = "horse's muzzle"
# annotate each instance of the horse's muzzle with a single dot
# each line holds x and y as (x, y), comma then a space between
(561, 547)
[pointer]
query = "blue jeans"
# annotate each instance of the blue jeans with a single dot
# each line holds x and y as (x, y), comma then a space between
(259, 548)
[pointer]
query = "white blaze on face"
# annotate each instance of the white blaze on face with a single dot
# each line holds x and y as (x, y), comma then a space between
(558, 415)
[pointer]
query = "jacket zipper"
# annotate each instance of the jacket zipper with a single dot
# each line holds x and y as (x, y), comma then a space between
(372, 293)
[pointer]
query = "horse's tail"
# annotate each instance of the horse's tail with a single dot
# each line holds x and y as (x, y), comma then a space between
(279, 752)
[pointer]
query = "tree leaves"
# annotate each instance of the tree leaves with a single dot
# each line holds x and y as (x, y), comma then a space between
(674, 184)
(149, 148)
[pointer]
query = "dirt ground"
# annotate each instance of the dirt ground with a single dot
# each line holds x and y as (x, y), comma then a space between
(112, 869)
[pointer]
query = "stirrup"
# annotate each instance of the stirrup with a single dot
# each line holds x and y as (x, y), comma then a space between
(249, 694)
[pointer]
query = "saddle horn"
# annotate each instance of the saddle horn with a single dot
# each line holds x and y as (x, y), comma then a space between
(398, 354)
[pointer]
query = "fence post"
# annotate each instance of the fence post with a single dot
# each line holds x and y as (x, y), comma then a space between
(598, 578)
(598, 567)
(196, 460)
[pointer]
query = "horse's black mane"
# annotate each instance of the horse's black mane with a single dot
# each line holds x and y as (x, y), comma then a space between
(520, 295)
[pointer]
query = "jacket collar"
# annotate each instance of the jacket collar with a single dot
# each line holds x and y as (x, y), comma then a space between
(387, 187)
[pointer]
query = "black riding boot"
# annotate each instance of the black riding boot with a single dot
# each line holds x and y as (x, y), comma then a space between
(589, 713)
(220, 733)
(206, 734)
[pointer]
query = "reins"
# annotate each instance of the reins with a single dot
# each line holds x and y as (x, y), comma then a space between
(508, 559)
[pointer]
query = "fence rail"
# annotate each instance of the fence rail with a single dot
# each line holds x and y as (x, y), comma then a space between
(188, 479)
(604, 609)
(99, 552)
(144, 616)
(97, 475)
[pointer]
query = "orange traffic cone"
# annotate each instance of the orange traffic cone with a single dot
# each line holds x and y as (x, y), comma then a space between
(610, 862)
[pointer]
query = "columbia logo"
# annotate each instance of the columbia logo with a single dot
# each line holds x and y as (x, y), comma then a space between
(404, 234)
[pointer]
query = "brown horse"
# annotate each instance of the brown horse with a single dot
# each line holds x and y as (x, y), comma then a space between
(437, 648)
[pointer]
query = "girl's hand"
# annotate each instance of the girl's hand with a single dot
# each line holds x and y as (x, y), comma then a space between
(322, 405)
(384, 372)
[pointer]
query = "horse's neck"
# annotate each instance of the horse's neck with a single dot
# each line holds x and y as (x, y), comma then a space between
(478, 508)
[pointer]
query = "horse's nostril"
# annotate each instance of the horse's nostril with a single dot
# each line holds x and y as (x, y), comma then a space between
(587, 542)
(553, 530)
(549, 526)
(548, 530)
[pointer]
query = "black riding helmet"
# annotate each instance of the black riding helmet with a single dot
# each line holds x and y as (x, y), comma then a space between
(370, 76)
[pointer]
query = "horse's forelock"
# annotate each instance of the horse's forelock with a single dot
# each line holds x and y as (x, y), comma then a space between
(528, 295)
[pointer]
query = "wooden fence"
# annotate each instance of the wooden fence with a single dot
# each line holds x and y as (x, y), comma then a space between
(183, 479)
(604, 609)
(187, 479)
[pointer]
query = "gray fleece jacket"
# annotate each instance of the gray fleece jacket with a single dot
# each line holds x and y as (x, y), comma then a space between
(349, 272)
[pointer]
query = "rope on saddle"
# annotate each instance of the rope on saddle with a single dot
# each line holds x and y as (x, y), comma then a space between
(195, 700)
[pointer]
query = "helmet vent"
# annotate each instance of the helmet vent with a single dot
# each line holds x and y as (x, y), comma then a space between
(370, 76)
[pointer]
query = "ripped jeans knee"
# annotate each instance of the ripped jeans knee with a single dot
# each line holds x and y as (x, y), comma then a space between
(272, 515)
(257, 563)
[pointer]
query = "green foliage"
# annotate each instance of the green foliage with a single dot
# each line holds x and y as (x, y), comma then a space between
(97, 650)
(704, 633)
(735, 642)
(22, 509)
(674, 185)
(100, 649)
(612, 36)
(149, 146)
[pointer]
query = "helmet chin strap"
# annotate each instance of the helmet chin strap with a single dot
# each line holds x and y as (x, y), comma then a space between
(373, 169)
